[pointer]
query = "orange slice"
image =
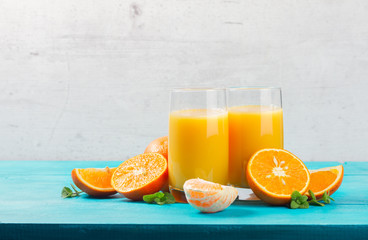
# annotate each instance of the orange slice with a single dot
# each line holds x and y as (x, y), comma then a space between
(208, 196)
(159, 145)
(94, 181)
(273, 174)
(325, 180)
(140, 175)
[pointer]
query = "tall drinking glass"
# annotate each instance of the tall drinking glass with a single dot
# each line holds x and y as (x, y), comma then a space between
(255, 122)
(198, 138)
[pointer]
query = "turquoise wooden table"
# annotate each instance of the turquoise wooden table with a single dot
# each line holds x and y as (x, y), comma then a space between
(31, 208)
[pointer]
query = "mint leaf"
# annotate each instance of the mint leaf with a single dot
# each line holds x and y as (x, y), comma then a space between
(299, 201)
(304, 205)
(312, 195)
(303, 199)
(294, 205)
(160, 198)
(160, 201)
(295, 195)
(66, 192)
(315, 202)
(150, 198)
(76, 193)
(326, 198)
(169, 198)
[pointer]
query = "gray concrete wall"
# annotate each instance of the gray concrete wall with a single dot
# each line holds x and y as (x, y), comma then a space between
(90, 80)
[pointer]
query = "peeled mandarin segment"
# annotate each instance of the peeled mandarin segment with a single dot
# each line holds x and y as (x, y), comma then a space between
(273, 174)
(326, 180)
(143, 174)
(208, 196)
(94, 181)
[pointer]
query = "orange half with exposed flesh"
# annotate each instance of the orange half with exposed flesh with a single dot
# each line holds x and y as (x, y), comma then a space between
(273, 174)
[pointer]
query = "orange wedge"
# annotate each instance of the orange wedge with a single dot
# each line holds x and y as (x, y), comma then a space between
(325, 180)
(273, 174)
(140, 175)
(94, 181)
(208, 196)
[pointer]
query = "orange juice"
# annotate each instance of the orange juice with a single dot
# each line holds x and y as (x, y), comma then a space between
(251, 128)
(198, 146)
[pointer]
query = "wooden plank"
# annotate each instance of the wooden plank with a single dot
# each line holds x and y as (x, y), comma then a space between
(32, 205)
(41, 190)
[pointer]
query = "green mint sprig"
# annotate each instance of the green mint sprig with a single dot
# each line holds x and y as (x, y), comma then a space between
(159, 198)
(314, 201)
(326, 197)
(68, 193)
(300, 201)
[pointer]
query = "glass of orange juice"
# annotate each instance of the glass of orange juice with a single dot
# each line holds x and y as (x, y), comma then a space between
(255, 122)
(198, 138)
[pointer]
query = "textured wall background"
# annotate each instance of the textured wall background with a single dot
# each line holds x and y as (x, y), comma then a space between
(90, 80)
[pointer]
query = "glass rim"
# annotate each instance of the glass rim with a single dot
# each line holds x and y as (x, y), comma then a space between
(196, 89)
(253, 88)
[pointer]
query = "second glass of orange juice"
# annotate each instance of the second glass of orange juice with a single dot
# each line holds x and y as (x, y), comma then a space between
(255, 122)
(198, 138)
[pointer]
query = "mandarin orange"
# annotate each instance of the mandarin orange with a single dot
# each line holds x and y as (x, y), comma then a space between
(159, 145)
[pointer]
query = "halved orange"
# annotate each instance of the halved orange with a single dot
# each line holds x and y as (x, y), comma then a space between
(208, 196)
(273, 174)
(140, 175)
(325, 180)
(94, 181)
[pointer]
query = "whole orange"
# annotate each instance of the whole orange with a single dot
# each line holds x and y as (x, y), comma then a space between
(159, 145)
